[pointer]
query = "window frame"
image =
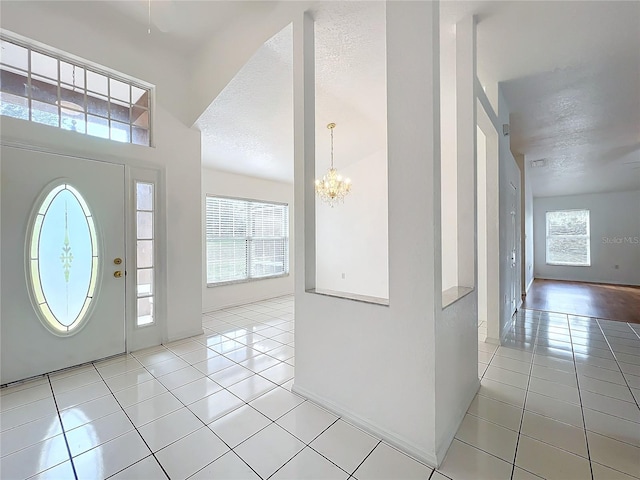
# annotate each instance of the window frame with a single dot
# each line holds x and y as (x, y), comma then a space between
(248, 278)
(587, 236)
(87, 67)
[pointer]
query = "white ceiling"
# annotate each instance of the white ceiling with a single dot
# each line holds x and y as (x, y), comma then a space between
(570, 72)
(248, 128)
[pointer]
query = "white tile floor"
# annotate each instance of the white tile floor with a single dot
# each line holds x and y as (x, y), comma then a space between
(558, 400)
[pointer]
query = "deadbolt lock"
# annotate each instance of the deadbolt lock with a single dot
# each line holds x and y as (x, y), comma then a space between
(117, 261)
(117, 274)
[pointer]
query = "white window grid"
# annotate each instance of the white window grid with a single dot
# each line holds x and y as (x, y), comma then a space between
(145, 272)
(77, 115)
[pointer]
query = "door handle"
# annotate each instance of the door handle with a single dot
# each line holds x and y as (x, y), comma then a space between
(117, 274)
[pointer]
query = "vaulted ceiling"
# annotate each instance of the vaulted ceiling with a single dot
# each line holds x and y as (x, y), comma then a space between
(570, 72)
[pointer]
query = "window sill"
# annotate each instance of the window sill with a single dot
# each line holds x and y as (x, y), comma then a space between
(245, 280)
(351, 296)
(453, 294)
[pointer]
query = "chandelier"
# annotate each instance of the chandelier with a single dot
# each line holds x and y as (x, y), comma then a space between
(332, 188)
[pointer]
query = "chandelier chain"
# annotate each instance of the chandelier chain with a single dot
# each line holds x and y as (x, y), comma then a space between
(331, 147)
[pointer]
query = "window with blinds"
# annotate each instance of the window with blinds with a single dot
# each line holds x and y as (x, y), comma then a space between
(568, 238)
(245, 240)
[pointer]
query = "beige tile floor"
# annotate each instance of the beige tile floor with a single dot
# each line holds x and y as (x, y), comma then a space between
(558, 400)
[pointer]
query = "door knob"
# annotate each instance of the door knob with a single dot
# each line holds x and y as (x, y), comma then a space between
(117, 273)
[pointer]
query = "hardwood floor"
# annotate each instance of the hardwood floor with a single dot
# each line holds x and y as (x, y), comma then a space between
(613, 302)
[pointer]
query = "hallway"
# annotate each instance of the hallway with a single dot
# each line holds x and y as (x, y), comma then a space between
(556, 401)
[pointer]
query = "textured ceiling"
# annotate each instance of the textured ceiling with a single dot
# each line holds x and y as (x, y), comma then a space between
(248, 128)
(584, 122)
(570, 73)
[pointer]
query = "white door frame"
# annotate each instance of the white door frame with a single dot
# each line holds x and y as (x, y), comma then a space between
(135, 337)
(490, 190)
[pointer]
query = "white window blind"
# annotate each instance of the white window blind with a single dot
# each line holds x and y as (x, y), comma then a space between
(245, 240)
(568, 238)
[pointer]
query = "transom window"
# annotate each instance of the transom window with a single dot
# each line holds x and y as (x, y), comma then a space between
(245, 240)
(568, 238)
(46, 88)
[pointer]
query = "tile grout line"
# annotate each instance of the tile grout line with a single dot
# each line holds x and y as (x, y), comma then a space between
(306, 445)
(64, 433)
(584, 423)
(202, 421)
(618, 363)
(134, 427)
(515, 453)
(225, 388)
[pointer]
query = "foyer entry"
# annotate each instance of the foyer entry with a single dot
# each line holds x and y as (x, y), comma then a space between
(63, 262)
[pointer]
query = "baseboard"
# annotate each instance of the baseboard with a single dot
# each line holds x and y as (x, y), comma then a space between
(506, 329)
(444, 448)
(391, 438)
(185, 334)
(526, 290)
(492, 341)
(212, 308)
(593, 282)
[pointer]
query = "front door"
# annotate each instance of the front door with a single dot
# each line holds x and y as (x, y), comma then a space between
(63, 266)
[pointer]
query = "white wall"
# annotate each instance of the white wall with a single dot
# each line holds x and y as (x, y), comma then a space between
(176, 151)
(353, 237)
(509, 174)
(376, 364)
(227, 184)
(220, 59)
(613, 217)
(488, 192)
(449, 160)
(482, 226)
(528, 230)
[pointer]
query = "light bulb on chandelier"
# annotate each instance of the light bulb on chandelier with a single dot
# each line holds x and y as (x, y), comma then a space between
(332, 187)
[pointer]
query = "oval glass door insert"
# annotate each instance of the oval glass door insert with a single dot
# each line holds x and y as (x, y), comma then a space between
(63, 260)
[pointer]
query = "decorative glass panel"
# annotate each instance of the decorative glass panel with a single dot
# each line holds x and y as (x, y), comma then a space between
(14, 106)
(145, 282)
(44, 65)
(144, 257)
(145, 253)
(145, 225)
(97, 82)
(63, 261)
(144, 196)
(14, 55)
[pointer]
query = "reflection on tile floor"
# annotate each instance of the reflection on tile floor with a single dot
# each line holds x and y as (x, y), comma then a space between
(558, 400)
